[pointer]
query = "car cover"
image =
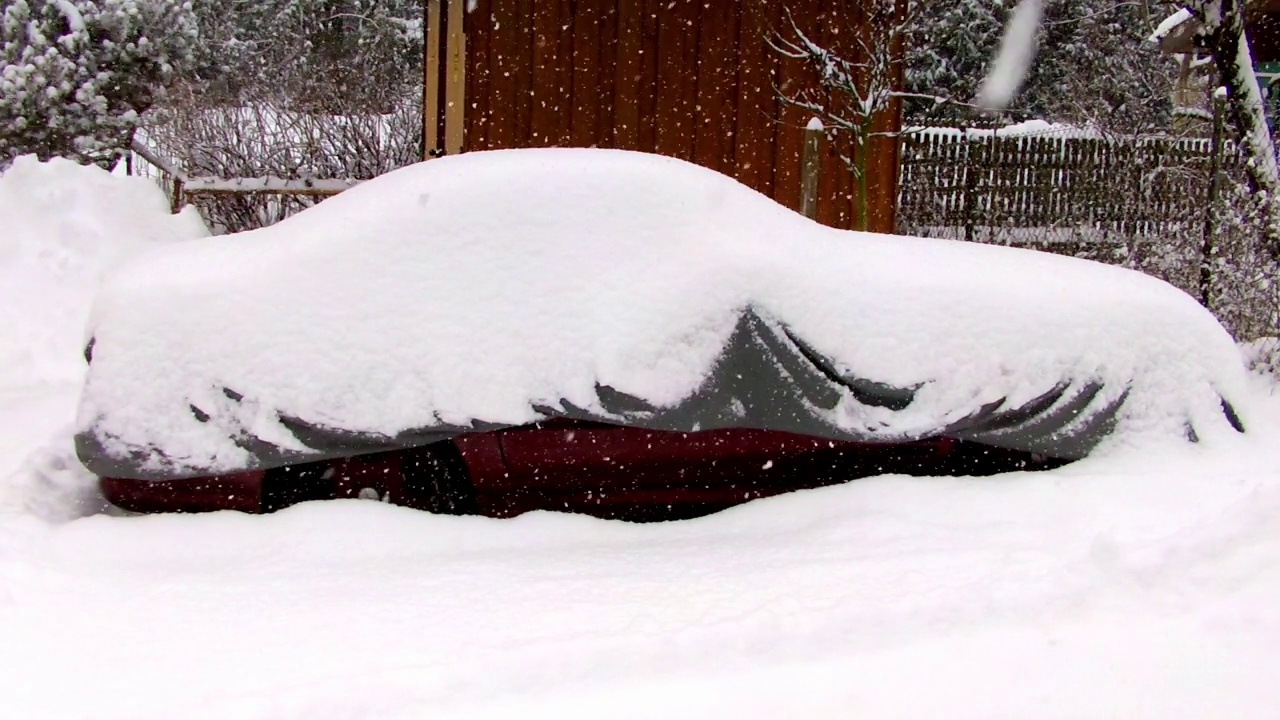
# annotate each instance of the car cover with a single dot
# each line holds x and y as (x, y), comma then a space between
(498, 289)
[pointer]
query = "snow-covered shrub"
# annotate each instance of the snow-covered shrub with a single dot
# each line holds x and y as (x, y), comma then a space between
(75, 75)
(294, 89)
(1244, 292)
(1262, 356)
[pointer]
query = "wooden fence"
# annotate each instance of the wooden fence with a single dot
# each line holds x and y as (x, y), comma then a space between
(1170, 207)
(1046, 190)
(691, 79)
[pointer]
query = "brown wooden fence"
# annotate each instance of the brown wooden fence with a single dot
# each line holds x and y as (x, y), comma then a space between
(692, 79)
(1147, 203)
(1042, 190)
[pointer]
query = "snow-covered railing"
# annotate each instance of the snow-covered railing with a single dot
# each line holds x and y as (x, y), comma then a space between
(181, 185)
(272, 185)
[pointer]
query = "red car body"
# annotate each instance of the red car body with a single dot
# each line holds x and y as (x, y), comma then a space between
(603, 470)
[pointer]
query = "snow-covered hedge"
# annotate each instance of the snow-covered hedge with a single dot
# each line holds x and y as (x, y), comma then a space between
(76, 74)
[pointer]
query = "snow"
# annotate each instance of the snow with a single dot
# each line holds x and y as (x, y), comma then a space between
(62, 226)
(1167, 25)
(480, 287)
(1013, 62)
(1034, 127)
(1133, 585)
(268, 184)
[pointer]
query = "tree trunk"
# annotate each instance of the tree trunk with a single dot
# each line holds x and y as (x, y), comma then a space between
(1224, 34)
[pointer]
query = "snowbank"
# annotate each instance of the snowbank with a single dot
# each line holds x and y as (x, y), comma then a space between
(62, 225)
(499, 288)
(1143, 588)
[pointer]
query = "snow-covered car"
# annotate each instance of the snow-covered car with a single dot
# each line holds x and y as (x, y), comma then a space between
(471, 296)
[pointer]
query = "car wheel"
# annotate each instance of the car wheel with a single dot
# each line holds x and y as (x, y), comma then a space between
(436, 479)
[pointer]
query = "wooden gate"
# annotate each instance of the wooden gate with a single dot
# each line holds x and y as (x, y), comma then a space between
(692, 79)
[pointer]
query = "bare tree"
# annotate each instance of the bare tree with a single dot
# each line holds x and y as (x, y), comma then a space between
(859, 85)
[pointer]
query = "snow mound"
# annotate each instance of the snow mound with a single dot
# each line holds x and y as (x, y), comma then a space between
(498, 288)
(62, 225)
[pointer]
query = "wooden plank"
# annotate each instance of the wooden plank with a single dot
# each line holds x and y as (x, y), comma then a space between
(523, 69)
(546, 99)
(733, 58)
(793, 77)
(455, 90)
(649, 78)
(883, 163)
(564, 73)
(606, 121)
(431, 82)
(755, 127)
(505, 42)
(836, 184)
(672, 114)
(478, 113)
(628, 76)
(715, 89)
(586, 73)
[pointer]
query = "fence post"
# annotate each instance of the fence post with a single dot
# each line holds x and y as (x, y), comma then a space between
(1215, 189)
(176, 203)
(969, 168)
(810, 166)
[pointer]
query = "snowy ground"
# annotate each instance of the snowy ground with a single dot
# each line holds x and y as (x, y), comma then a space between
(1122, 587)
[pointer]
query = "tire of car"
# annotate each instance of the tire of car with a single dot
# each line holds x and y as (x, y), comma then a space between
(436, 479)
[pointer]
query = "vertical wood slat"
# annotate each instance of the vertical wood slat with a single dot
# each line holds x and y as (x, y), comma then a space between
(606, 118)
(431, 81)
(547, 103)
(455, 81)
(650, 77)
(523, 69)
(693, 79)
(504, 38)
(754, 129)
(565, 73)
(586, 73)
(628, 78)
(478, 115)
(791, 120)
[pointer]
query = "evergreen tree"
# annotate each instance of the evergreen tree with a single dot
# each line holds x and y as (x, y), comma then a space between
(1094, 64)
(364, 52)
(76, 75)
(949, 45)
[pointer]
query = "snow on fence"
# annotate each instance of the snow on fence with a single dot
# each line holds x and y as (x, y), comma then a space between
(1049, 189)
(1148, 203)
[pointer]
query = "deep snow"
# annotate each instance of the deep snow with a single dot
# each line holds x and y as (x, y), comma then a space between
(1127, 586)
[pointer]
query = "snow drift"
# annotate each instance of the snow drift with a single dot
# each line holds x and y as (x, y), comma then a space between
(496, 289)
(62, 225)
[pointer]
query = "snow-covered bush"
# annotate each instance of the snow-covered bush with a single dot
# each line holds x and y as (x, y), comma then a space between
(75, 75)
(1262, 356)
(294, 89)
